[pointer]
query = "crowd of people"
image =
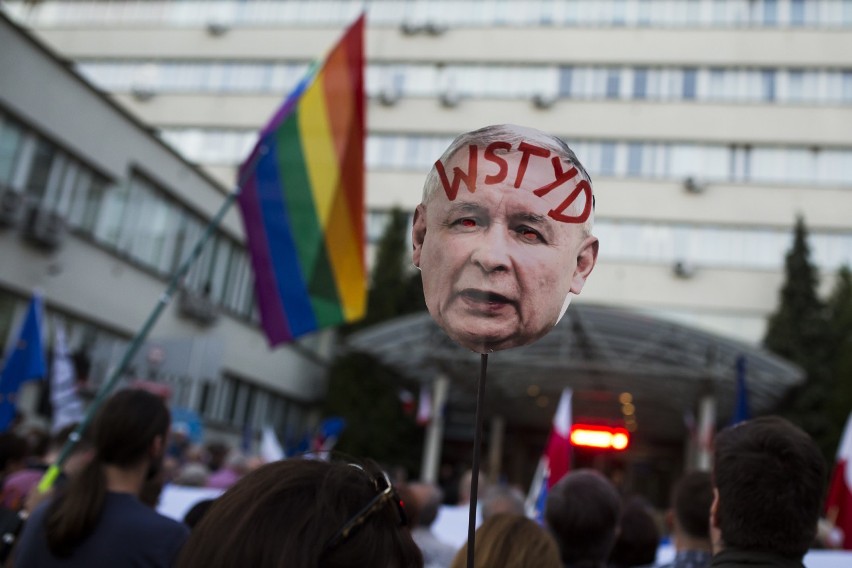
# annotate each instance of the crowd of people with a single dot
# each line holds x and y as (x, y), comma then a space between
(759, 507)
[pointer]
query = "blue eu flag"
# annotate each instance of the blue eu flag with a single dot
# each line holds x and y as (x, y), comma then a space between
(24, 361)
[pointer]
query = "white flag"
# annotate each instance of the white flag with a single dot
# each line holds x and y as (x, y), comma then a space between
(270, 447)
(67, 406)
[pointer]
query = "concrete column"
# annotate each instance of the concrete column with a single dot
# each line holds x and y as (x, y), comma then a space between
(706, 430)
(434, 431)
(495, 447)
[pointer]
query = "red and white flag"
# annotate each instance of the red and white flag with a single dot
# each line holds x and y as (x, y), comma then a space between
(838, 506)
(555, 462)
(558, 450)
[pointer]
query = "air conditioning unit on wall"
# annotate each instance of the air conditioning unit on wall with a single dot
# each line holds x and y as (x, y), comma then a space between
(543, 101)
(683, 269)
(198, 307)
(11, 204)
(44, 228)
(692, 185)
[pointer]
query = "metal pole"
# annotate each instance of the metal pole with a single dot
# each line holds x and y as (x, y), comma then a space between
(434, 432)
(477, 452)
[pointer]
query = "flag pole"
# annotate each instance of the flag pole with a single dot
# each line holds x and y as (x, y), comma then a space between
(164, 300)
(477, 451)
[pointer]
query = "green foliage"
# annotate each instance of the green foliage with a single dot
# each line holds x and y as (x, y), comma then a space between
(840, 339)
(796, 330)
(817, 336)
(366, 393)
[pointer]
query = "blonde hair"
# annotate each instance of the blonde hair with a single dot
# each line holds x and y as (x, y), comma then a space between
(511, 541)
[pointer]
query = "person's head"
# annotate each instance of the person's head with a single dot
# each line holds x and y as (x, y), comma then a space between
(768, 483)
(427, 498)
(304, 513)
(502, 499)
(38, 442)
(638, 536)
(689, 516)
(511, 541)
(197, 512)
(128, 434)
(192, 474)
(582, 512)
(503, 236)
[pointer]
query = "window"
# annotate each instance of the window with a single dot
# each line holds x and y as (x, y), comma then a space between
(797, 13)
(767, 77)
(11, 135)
(716, 86)
(607, 159)
(796, 85)
(689, 76)
(770, 12)
(634, 159)
(40, 169)
(613, 83)
(640, 83)
(846, 88)
(565, 81)
(112, 213)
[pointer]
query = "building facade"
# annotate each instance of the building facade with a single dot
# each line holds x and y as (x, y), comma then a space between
(96, 214)
(707, 125)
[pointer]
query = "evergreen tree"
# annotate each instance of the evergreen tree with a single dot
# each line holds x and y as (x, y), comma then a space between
(797, 331)
(366, 393)
(840, 341)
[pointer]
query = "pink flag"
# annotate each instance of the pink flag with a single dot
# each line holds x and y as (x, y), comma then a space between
(838, 506)
(558, 450)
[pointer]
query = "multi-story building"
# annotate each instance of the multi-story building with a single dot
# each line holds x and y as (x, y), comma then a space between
(96, 213)
(708, 125)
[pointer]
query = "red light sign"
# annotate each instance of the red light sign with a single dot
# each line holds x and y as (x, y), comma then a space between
(600, 437)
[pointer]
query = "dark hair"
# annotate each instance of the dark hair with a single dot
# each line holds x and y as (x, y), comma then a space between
(639, 537)
(691, 499)
(286, 512)
(197, 512)
(770, 476)
(38, 441)
(582, 512)
(122, 433)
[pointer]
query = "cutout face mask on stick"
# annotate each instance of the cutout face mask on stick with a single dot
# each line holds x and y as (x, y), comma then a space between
(503, 236)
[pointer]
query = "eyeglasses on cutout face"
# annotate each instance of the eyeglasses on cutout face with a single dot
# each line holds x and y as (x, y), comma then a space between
(386, 494)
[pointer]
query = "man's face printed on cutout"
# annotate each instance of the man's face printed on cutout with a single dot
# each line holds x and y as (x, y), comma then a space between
(501, 243)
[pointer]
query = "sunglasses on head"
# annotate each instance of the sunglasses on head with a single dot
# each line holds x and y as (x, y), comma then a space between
(386, 494)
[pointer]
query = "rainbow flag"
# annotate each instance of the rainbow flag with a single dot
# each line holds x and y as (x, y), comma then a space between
(302, 200)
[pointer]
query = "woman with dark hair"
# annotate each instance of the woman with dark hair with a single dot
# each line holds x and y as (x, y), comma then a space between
(98, 520)
(305, 514)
